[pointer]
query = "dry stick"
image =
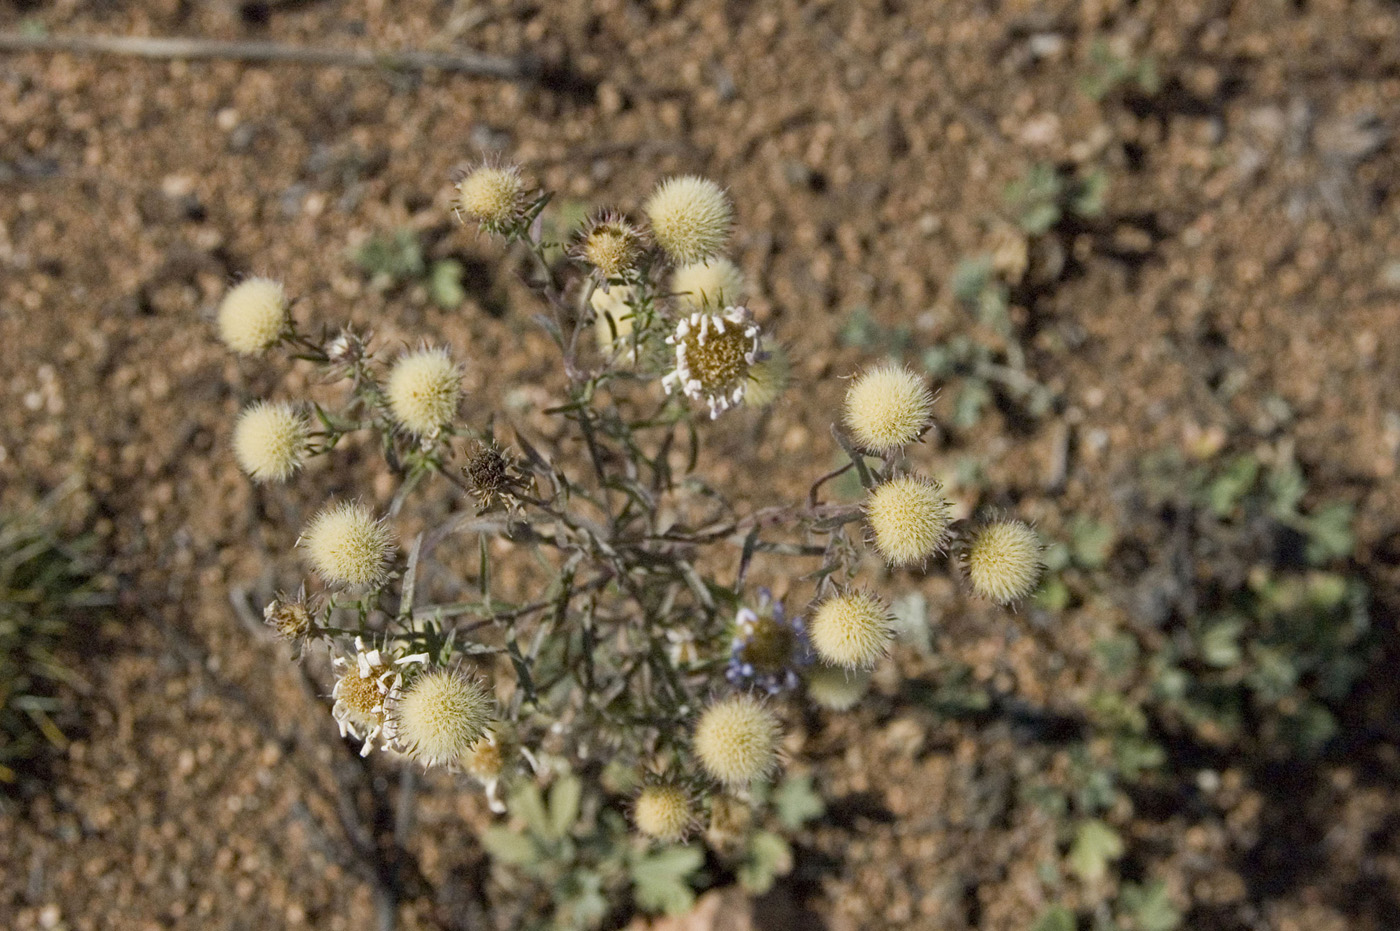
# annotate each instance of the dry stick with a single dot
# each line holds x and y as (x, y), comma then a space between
(522, 68)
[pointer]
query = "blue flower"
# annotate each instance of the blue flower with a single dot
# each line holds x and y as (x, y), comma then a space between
(768, 648)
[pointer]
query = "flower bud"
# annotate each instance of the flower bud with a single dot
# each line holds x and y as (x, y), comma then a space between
(345, 543)
(440, 716)
(424, 390)
(909, 518)
(689, 217)
(888, 407)
(1003, 560)
(253, 315)
(852, 630)
(736, 739)
(663, 812)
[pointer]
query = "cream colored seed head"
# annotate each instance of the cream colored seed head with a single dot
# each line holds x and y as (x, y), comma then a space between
(253, 315)
(1003, 561)
(689, 217)
(736, 739)
(909, 518)
(708, 285)
(768, 378)
(663, 812)
(837, 689)
(270, 441)
(493, 196)
(441, 715)
(888, 407)
(346, 544)
(424, 389)
(852, 630)
(612, 305)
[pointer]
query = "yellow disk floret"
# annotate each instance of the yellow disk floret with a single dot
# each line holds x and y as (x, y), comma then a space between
(888, 407)
(270, 440)
(736, 739)
(441, 716)
(837, 689)
(253, 315)
(346, 544)
(610, 244)
(493, 196)
(689, 217)
(424, 389)
(708, 285)
(852, 630)
(663, 812)
(1003, 560)
(909, 518)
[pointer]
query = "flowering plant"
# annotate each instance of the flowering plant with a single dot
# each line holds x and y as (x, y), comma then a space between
(632, 641)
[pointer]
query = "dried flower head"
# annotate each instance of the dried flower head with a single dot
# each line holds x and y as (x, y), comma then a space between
(485, 758)
(887, 407)
(345, 543)
(364, 688)
(1003, 561)
(289, 616)
(494, 196)
(909, 518)
(708, 285)
(424, 390)
(610, 244)
(837, 689)
(270, 440)
(689, 217)
(714, 354)
(347, 348)
(440, 715)
(490, 473)
(663, 812)
(736, 739)
(768, 647)
(852, 630)
(769, 378)
(253, 315)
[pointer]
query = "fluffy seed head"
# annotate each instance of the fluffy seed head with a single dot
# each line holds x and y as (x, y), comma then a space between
(737, 739)
(714, 354)
(1003, 560)
(346, 544)
(769, 378)
(888, 407)
(663, 812)
(708, 285)
(852, 630)
(493, 196)
(441, 714)
(689, 217)
(424, 389)
(837, 689)
(611, 245)
(252, 315)
(909, 518)
(270, 441)
(615, 315)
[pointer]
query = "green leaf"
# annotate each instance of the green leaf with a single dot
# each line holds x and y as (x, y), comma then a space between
(1149, 906)
(1329, 533)
(660, 879)
(1220, 643)
(1096, 845)
(509, 847)
(445, 284)
(1055, 918)
(527, 804)
(796, 802)
(564, 798)
(1229, 488)
(1091, 542)
(769, 857)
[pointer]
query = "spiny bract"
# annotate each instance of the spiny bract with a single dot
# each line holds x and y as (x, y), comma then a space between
(345, 543)
(852, 630)
(270, 440)
(1003, 560)
(440, 716)
(736, 739)
(909, 518)
(253, 315)
(424, 389)
(888, 407)
(689, 217)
